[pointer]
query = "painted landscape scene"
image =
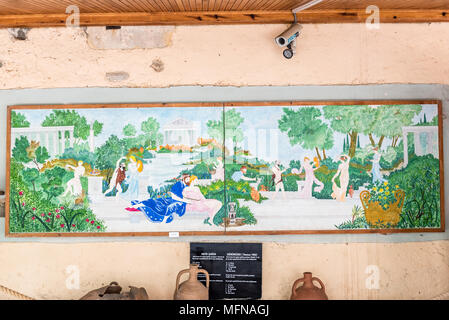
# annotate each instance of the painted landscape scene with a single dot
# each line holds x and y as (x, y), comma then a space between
(219, 168)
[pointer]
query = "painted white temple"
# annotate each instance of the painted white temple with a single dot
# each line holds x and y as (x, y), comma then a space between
(425, 139)
(54, 139)
(181, 132)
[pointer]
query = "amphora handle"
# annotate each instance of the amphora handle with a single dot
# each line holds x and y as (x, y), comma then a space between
(321, 283)
(179, 277)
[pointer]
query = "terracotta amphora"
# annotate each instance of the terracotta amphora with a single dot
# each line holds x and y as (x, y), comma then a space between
(192, 288)
(114, 292)
(308, 291)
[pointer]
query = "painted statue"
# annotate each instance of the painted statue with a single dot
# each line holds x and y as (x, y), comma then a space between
(277, 179)
(74, 186)
(219, 171)
(309, 168)
(375, 171)
(339, 192)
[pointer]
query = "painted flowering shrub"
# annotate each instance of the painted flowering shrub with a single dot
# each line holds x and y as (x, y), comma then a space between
(383, 193)
(30, 210)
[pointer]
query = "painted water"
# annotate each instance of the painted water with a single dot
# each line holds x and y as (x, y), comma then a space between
(163, 167)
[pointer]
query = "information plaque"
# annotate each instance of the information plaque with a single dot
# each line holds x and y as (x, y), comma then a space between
(235, 269)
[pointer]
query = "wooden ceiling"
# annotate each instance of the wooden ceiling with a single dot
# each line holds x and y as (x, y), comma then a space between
(38, 13)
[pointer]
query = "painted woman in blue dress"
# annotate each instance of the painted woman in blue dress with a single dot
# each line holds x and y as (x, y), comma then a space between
(375, 171)
(162, 209)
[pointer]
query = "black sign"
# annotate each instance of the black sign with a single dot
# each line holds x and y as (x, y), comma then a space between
(235, 269)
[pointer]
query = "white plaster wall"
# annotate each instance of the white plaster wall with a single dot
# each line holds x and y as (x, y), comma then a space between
(235, 56)
(406, 271)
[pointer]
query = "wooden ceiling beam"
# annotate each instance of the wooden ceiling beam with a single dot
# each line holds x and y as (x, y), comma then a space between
(220, 17)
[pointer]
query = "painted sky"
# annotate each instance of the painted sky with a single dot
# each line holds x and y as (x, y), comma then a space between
(260, 126)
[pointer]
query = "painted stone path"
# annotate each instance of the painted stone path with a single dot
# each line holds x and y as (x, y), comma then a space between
(292, 213)
(272, 214)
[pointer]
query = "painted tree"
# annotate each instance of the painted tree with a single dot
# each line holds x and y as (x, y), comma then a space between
(24, 151)
(305, 128)
(151, 129)
(19, 152)
(391, 118)
(108, 154)
(215, 129)
(18, 120)
(352, 120)
(434, 121)
(129, 130)
(31, 175)
(233, 120)
(72, 118)
(231, 130)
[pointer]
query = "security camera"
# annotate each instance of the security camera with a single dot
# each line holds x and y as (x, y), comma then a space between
(288, 39)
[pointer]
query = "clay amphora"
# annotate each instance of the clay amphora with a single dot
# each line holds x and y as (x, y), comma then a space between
(113, 292)
(308, 291)
(192, 288)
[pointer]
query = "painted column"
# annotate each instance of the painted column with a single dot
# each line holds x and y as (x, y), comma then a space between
(405, 140)
(417, 140)
(71, 138)
(47, 142)
(61, 142)
(55, 142)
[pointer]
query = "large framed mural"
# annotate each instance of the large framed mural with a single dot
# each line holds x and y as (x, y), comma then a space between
(225, 168)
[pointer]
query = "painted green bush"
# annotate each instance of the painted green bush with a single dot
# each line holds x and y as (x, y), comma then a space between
(234, 191)
(42, 210)
(201, 170)
(420, 181)
(358, 220)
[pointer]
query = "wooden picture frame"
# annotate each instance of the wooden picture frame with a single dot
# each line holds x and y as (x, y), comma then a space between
(226, 230)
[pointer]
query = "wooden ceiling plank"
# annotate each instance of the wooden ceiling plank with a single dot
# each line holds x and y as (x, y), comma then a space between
(8, 7)
(124, 6)
(274, 5)
(265, 4)
(191, 5)
(180, 4)
(242, 4)
(148, 6)
(158, 6)
(138, 5)
(219, 6)
(174, 5)
(252, 5)
(249, 5)
(229, 5)
(224, 4)
(211, 6)
(164, 5)
(215, 17)
(199, 5)
(383, 4)
(85, 6)
(290, 5)
(186, 5)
